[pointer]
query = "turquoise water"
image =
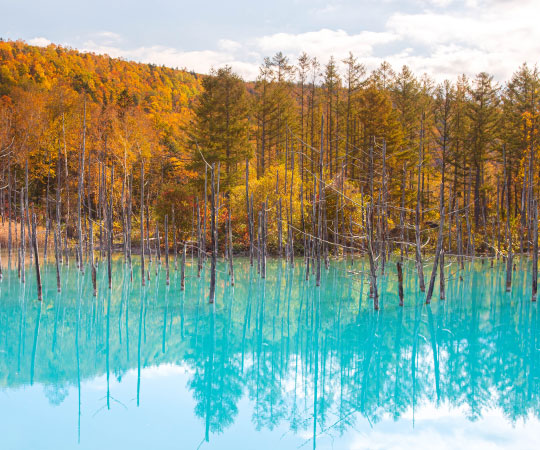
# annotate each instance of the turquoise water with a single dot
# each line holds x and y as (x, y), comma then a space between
(275, 363)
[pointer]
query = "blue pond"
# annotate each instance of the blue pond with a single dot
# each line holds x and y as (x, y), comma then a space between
(274, 363)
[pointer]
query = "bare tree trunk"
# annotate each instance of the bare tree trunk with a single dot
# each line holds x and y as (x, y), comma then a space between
(280, 229)
(290, 224)
(230, 256)
(213, 226)
(92, 262)
(319, 208)
(46, 243)
(167, 249)
(510, 256)
(148, 248)
(383, 215)
(175, 242)
(264, 230)
(249, 216)
(402, 212)
(302, 217)
(259, 243)
(440, 240)
(23, 241)
(110, 232)
(535, 250)
(27, 212)
(124, 218)
(203, 240)
(10, 195)
(80, 192)
(498, 224)
(372, 264)
(442, 295)
(36, 257)
(419, 263)
(400, 282)
(158, 246)
(47, 215)
(200, 249)
(183, 269)
(57, 250)
(102, 210)
(142, 225)
(470, 237)
(129, 225)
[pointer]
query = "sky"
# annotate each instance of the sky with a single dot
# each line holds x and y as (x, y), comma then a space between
(443, 38)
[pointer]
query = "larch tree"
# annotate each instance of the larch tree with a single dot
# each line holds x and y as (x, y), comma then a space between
(484, 117)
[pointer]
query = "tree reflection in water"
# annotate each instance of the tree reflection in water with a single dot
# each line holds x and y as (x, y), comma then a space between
(315, 359)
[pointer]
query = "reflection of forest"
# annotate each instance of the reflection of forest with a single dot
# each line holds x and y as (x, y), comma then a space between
(297, 351)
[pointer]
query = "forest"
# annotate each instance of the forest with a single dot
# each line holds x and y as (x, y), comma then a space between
(317, 159)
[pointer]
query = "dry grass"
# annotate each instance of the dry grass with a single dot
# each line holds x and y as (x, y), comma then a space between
(16, 233)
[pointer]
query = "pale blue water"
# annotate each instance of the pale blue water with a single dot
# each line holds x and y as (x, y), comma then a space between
(277, 363)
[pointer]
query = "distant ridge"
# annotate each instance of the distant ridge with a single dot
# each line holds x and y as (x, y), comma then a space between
(155, 88)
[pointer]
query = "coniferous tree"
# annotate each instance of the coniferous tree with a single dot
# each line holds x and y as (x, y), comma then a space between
(220, 127)
(484, 115)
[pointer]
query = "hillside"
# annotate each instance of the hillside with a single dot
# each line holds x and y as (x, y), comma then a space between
(52, 99)
(155, 88)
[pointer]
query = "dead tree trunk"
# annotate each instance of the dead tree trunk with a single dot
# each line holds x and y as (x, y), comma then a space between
(57, 251)
(372, 264)
(510, 256)
(290, 225)
(142, 225)
(264, 230)
(440, 239)
(280, 229)
(23, 241)
(167, 249)
(535, 251)
(92, 262)
(402, 213)
(200, 249)
(419, 263)
(319, 207)
(129, 225)
(175, 242)
(442, 294)
(80, 193)
(158, 246)
(10, 194)
(36, 257)
(110, 232)
(400, 282)
(183, 269)
(230, 256)
(249, 216)
(213, 226)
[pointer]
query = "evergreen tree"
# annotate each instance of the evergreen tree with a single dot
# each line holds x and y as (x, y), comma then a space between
(484, 116)
(220, 128)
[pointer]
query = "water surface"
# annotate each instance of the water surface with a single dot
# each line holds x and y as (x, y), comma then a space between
(275, 363)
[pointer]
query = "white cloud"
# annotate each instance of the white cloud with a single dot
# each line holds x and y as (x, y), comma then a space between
(108, 37)
(439, 3)
(201, 61)
(229, 45)
(497, 38)
(470, 36)
(446, 427)
(246, 57)
(324, 43)
(39, 41)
